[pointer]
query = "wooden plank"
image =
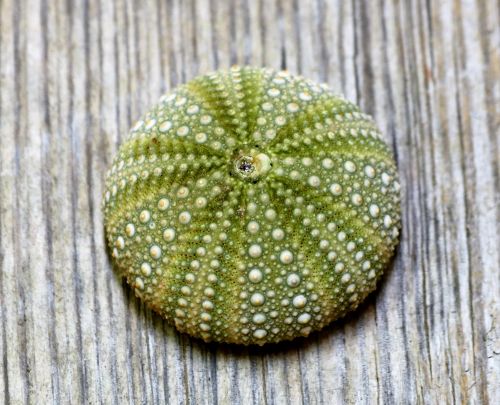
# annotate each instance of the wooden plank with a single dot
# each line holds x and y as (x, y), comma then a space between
(73, 78)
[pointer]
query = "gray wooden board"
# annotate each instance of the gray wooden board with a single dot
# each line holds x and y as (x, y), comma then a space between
(75, 75)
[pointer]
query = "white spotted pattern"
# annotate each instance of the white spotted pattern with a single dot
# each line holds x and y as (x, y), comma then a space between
(252, 206)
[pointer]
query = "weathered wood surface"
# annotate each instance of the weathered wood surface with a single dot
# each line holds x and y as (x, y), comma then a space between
(75, 75)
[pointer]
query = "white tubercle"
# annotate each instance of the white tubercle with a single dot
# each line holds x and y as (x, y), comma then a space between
(262, 163)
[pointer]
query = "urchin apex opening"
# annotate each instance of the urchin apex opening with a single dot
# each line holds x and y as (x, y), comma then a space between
(250, 165)
(245, 165)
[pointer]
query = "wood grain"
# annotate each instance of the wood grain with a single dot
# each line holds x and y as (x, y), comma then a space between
(74, 75)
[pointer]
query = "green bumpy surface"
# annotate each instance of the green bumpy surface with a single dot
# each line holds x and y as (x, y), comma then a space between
(251, 206)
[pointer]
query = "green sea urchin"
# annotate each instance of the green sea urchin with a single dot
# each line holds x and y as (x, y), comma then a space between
(251, 206)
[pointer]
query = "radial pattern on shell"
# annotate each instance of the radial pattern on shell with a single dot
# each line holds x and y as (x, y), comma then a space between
(252, 206)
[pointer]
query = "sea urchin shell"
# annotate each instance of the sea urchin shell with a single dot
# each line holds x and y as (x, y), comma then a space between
(251, 206)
